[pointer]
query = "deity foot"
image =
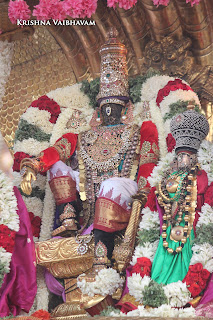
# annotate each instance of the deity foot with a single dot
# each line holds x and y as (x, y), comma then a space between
(64, 231)
(69, 224)
(68, 311)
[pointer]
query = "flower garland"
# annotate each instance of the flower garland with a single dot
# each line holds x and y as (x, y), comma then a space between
(9, 224)
(106, 282)
(164, 311)
(6, 52)
(60, 10)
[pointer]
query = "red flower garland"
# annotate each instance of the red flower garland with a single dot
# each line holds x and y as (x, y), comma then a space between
(7, 238)
(45, 103)
(18, 157)
(35, 224)
(171, 86)
(42, 314)
(170, 141)
(196, 279)
(143, 267)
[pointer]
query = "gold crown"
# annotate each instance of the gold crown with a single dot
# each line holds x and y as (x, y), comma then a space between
(114, 72)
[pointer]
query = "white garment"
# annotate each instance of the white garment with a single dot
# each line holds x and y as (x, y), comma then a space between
(61, 169)
(120, 190)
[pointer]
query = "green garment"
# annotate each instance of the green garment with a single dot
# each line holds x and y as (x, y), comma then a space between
(168, 268)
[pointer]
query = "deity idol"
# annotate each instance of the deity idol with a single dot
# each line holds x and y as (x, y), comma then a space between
(107, 173)
(178, 264)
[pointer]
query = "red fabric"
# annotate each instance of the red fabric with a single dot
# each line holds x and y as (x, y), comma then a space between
(208, 198)
(126, 306)
(51, 155)
(18, 157)
(148, 133)
(202, 185)
(19, 287)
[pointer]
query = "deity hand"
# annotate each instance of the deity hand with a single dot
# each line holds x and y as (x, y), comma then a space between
(28, 175)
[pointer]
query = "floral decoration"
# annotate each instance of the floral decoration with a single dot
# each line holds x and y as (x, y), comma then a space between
(60, 10)
(171, 86)
(41, 314)
(49, 9)
(45, 103)
(18, 9)
(106, 282)
(9, 224)
(7, 238)
(143, 267)
(35, 223)
(196, 279)
(18, 157)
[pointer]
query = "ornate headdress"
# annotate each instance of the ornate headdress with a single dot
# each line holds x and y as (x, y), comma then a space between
(189, 129)
(114, 87)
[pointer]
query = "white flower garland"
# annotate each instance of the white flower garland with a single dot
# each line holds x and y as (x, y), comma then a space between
(6, 52)
(137, 285)
(34, 205)
(107, 281)
(8, 216)
(159, 170)
(48, 214)
(30, 146)
(175, 96)
(8, 204)
(205, 156)
(39, 118)
(152, 85)
(206, 215)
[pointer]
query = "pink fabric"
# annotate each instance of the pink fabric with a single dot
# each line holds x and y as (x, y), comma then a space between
(19, 287)
(54, 285)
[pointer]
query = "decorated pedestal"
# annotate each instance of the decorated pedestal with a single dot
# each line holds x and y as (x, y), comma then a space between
(62, 258)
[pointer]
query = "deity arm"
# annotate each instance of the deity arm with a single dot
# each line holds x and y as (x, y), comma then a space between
(149, 154)
(61, 150)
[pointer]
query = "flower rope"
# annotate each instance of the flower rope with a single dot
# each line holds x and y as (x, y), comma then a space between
(9, 224)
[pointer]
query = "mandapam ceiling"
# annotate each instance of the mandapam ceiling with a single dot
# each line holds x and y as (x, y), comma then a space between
(55, 56)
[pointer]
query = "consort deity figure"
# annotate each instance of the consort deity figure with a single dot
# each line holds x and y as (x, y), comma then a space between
(176, 225)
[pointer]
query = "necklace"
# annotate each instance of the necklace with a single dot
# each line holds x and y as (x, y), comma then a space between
(187, 205)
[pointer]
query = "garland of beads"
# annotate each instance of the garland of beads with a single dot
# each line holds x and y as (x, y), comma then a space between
(188, 208)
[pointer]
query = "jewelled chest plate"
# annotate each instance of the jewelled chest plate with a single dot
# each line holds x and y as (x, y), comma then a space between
(104, 147)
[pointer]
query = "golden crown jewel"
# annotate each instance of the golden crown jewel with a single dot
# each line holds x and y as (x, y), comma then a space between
(114, 87)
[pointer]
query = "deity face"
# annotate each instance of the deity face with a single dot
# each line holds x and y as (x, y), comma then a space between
(111, 114)
(186, 160)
